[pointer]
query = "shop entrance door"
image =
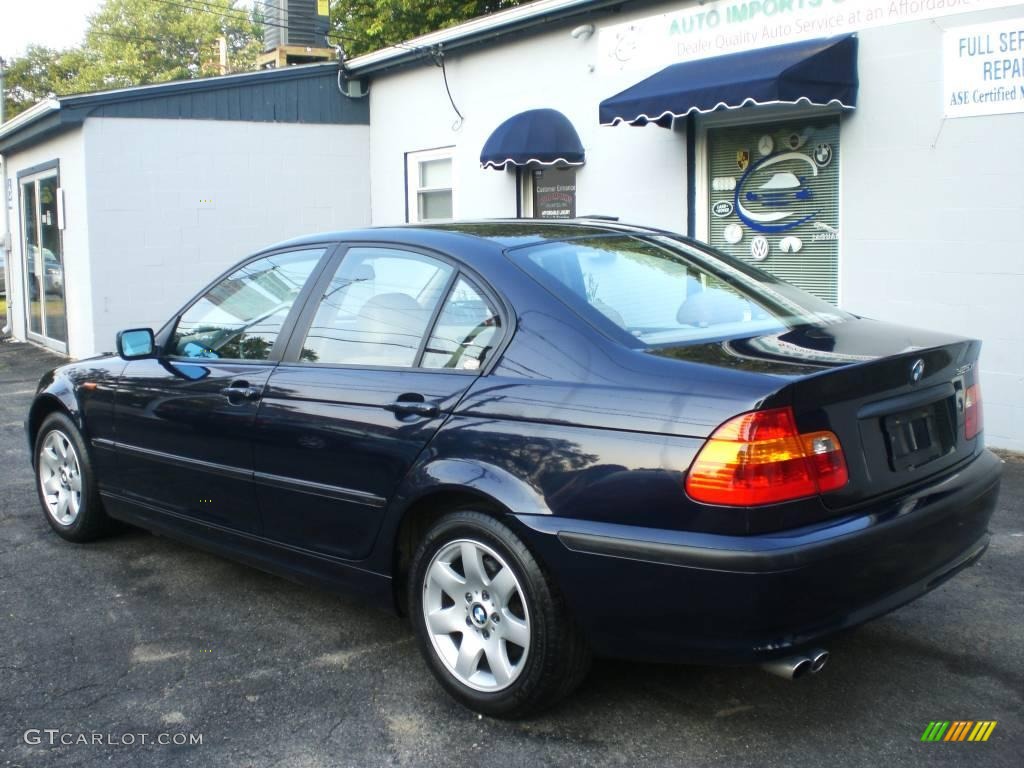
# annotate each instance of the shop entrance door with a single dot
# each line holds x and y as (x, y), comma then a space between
(43, 260)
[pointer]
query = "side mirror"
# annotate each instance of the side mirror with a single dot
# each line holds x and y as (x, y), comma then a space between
(136, 343)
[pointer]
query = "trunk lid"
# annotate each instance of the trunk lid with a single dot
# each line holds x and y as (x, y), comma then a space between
(894, 396)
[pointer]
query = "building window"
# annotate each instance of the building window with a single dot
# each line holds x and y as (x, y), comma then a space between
(430, 191)
(773, 199)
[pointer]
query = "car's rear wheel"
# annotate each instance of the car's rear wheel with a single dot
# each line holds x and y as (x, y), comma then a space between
(65, 481)
(493, 629)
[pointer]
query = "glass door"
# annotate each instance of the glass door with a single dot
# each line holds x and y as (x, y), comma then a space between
(43, 256)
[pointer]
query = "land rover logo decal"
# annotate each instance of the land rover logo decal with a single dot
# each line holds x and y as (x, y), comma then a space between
(917, 370)
(722, 208)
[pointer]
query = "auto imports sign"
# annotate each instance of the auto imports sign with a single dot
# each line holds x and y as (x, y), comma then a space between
(983, 69)
(727, 26)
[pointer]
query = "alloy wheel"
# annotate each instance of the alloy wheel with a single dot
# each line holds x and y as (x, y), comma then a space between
(60, 478)
(476, 615)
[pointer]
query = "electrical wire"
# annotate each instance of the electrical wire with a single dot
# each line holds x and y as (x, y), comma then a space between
(217, 10)
(205, 7)
(128, 38)
(444, 72)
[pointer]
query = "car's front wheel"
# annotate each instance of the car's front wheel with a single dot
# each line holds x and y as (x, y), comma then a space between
(65, 481)
(493, 629)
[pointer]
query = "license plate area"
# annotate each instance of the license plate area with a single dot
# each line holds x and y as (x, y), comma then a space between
(919, 435)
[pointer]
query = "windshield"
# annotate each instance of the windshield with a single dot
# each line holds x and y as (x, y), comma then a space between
(666, 291)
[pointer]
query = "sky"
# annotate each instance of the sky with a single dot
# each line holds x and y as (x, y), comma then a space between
(54, 23)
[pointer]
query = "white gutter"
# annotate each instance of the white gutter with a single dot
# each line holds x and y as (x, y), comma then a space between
(470, 28)
(30, 115)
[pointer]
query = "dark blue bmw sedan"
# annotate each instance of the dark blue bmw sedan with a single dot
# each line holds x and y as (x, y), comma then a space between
(542, 442)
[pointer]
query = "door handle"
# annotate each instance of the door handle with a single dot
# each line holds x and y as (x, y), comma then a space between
(240, 390)
(414, 408)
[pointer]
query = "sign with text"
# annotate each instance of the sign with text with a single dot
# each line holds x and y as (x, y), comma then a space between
(554, 193)
(983, 69)
(719, 27)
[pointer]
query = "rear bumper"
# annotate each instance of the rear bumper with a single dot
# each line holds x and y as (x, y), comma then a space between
(664, 595)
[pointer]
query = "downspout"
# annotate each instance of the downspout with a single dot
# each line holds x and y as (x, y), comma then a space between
(5, 237)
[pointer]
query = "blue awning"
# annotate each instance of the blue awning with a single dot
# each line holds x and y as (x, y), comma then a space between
(543, 136)
(820, 72)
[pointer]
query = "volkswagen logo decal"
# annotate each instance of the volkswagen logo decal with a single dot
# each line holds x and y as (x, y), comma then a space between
(917, 370)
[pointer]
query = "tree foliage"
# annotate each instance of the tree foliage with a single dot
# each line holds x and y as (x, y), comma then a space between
(42, 72)
(135, 42)
(366, 25)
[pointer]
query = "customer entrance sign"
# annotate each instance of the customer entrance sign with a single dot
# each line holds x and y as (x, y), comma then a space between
(983, 69)
(718, 27)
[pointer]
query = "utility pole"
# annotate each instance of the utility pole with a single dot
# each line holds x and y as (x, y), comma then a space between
(222, 48)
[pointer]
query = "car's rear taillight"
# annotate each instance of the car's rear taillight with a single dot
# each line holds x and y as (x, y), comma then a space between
(972, 411)
(761, 458)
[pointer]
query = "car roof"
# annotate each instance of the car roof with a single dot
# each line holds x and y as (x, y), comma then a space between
(499, 234)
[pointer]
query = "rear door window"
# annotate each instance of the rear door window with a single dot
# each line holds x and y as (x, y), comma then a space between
(377, 308)
(466, 331)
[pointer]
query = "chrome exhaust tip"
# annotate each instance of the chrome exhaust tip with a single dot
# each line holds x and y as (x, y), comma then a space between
(791, 667)
(819, 658)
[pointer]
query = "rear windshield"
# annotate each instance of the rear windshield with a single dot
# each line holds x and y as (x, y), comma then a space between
(665, 291)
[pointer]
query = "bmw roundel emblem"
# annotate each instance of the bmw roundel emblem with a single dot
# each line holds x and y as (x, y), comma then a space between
(917, 370)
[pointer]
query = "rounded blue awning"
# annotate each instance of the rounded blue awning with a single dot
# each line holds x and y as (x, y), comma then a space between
(818, 72)
(542, 136)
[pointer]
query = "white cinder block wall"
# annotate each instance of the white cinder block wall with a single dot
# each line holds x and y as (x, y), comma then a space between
(172, 203)
(931, 210)
(929, 207)
(68, 150)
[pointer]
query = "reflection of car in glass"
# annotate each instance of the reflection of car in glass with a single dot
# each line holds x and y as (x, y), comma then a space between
(53, 273)
(541, 441)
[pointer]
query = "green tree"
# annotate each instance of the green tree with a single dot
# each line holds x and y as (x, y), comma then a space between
(40, 73)
(135, 42)
(366, 25)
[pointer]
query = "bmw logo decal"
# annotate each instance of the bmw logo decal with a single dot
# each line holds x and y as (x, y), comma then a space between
(917, 370)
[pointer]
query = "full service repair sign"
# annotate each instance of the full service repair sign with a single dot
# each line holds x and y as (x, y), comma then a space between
(983, 69)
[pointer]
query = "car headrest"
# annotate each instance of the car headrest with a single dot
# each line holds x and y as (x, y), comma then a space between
(392, 313)
(362, 272)
(564, 266)
(712, 307)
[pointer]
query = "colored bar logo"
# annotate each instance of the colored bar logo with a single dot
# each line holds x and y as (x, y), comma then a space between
(958, 730)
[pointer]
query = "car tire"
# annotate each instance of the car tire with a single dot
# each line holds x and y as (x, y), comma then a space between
(504, 643)
(65, 482)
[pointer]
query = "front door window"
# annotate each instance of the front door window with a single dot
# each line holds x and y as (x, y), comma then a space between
(44, 260)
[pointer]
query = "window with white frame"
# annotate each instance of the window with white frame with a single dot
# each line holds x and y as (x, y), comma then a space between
(429, 185)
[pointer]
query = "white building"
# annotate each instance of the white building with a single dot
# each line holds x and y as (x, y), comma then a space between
(125, 203)
(900, 206)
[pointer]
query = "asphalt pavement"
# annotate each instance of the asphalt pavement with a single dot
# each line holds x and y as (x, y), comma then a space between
(135, 639)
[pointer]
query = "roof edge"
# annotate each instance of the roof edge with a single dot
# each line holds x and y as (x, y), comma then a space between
(23, 119)
(467, 33)
(81, 103)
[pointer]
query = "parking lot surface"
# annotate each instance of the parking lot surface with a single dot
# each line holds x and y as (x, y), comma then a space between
(140, 635)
